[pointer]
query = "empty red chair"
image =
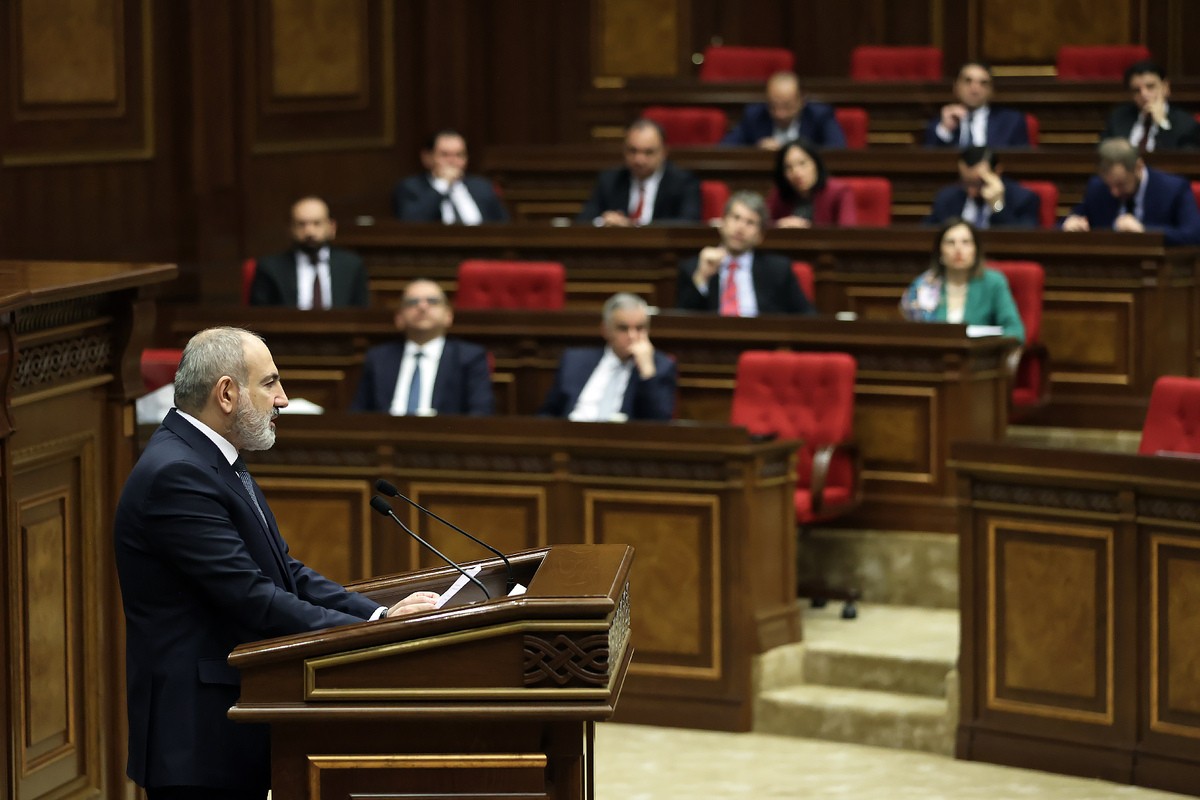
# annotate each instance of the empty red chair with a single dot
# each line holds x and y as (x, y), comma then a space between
(158, 367)
(854, 123)
(872, 200)
(1098, 62)
(249, 267)
(744, 63)
(804, 276)
(510, 284)
(713, 197)
(1031, 383)
(874, 63)
(1034, 128)
(1047, 192)
(1173, 419)
(689, 126)
(1196, 191)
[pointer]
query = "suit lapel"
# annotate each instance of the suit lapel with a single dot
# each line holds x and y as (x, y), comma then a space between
(443, 376)
(762, 288)
(587, 361)
(339, 293)
(389, 376)
(287, 280)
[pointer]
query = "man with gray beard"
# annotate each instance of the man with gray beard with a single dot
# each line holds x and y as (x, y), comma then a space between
(203, 569)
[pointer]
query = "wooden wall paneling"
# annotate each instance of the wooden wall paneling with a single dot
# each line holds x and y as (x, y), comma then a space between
(326, 523)
(514, 517)
(636, 38)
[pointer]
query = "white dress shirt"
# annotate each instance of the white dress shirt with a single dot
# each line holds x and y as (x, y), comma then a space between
(1139, 132)
(785, 135)
(604, 393)
(431, 356)
(306, 267)
(464, 204)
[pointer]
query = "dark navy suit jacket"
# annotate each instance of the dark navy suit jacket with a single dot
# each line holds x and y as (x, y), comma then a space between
(415, 200)
(652, 399)
(1021, 206)
(1184, 133)
(275, 280)
(1005, 128)
(463, 384)
(817, 124)
(1168, 207)
(775, 287)
(678, 198)
(200, 574)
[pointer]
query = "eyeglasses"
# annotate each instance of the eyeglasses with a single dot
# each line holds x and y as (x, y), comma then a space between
(413, 302)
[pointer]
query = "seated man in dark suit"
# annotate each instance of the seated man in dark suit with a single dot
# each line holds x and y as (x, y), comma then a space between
(649, 188)
(985, 198)
(1126, 195)
(734, 279)
(426, 373)
(627, 379)
(313, 274)
(784, 117)
(971, 120)
(445, 192)
(1148, 121)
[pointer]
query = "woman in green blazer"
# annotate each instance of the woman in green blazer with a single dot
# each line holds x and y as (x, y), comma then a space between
(957, 287)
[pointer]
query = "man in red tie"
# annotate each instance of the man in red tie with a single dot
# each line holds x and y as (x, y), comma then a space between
(734, 279)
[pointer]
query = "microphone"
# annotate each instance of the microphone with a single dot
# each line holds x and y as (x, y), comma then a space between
(381, 505)
(383, 487)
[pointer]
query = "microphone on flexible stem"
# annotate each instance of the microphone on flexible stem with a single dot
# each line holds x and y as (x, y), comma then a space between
(383, 487)
(381, 505)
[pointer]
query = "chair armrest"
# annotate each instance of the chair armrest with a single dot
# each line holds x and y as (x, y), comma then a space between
(822, 458)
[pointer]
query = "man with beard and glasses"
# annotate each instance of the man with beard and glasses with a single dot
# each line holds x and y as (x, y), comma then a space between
(313, 274)
(203, 569)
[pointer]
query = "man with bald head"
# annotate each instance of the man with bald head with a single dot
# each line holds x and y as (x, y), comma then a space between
(203, 569)
(784, 117)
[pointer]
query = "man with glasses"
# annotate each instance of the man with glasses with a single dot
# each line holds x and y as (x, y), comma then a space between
(426, 373)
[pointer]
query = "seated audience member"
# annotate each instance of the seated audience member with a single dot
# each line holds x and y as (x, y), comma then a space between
(735, 280)
(313, 274)
(1148, 121)
(445, 192)
(804, 195)
(426, 371)
(784, 117)
(625, 379)
(957, 287)
(971, 120)
(984, 197)
(649, 188)
(1126, 195)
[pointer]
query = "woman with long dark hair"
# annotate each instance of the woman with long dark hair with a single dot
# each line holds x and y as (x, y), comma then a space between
(804, 194)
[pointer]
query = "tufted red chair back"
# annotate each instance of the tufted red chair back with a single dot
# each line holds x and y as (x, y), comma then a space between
(689, 126)
(1047, 192)
(804, 276)
(744, 63)
(872, 200)
(249, 267)
(510, 284)
(713, 197)
(1026, 281)
(1098, 62)
(158, 367)
(854, 122)
(807, 396)
(1196, 191)
(1173, 418)
(873, 63)
(1034, 129)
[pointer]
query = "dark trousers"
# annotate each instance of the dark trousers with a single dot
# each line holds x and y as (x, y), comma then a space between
(202, 793)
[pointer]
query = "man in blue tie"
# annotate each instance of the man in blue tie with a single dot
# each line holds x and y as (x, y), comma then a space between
(971, 120)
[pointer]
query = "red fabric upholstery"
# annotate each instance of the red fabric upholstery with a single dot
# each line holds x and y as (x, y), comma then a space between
(855, 122)
(744, 63)
(689, 126)
(1026, 280)
(807, 396)
(249, 267)
(872, 200)
(510, 284)
(870, 63)
(158, 367)
(1048, 192)
(713, 197)
(1034, 128)
(804, 275)
(1196, 191)
(1098, 62)
(1173, 419)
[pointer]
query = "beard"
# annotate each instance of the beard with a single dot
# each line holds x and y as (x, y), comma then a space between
(310, 247)
(251, 427)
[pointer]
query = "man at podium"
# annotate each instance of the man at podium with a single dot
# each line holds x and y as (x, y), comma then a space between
(203, 568)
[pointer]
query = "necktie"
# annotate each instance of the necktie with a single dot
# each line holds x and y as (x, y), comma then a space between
(414, 388)
(729, 297)
(968, 134)
(636, 214)
(1144, 143)
(457, 219)
(1131, 203)
(243, 474)
(982, 213)
(318, 297)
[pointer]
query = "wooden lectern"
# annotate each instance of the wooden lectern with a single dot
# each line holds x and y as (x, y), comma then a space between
(479, 699)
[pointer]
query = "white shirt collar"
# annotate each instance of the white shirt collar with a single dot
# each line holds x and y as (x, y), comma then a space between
(227, 449)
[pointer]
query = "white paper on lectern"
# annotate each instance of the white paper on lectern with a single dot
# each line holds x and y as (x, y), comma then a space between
(517, 590)
(976, 331)
(458, 584)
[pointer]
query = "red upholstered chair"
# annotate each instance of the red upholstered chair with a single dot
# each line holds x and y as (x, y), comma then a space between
(872, 200)
(510, 284)
(804, 276)
(855, 122)
(1031, 384)
(1034, 128)
(713, 197)
(249, 267)
(1047, 191)
(872, 63)
(744, 63)
(1196, 191)
(1173, 419)
(158, 367)
(689, 126)
(1098, 62)
(810, 397)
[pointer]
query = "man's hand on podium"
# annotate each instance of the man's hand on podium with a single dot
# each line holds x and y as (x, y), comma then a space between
(415, 603)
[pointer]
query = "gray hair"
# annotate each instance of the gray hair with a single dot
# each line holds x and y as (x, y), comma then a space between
(209, 355)
(622, 301)
(1117, 152)
(751, 200)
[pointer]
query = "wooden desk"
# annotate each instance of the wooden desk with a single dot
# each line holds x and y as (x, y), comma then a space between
(919, 387)
(1080, 584)
(709, 514)
(1107, 295)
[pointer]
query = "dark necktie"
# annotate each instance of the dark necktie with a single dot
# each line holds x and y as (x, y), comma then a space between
(982, 218)
(1131, 203)
(457, 218)
(243, 474)
(318, 297)
(1147, 123)
(968, 134)
(414, 388)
